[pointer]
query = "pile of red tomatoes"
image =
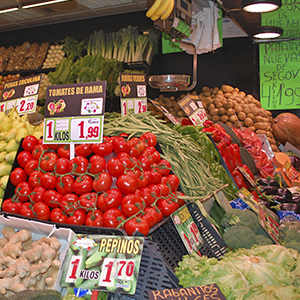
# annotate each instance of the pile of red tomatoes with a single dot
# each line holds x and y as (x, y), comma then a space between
(119, 183)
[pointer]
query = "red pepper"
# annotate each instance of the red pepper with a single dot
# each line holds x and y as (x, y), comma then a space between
(186, 121)
(248, 171)
(215, 133)
(207, 123)
(235, 150)
(238, 178)
(226, 155)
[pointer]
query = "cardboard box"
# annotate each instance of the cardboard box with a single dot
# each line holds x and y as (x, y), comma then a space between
(39, 230)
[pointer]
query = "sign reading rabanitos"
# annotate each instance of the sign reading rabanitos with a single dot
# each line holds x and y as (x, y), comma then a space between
(203, 292)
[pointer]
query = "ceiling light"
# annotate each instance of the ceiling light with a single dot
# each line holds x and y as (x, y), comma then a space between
(6, 10)
(42, 3)
(267, 32)
(260, 6)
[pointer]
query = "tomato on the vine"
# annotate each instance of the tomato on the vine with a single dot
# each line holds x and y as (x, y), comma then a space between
(69, 203)
(97, 164)
(11, 206)
(64, 151)
(77, 218)
(58, 216)
(62, 166)
(78, 165)
(165, 167)
(88, 201)
(26, 210)
(52, 198)
(149, 138)
(113, 217)
(17, 175)
(42, 211)
(115, 167)
(94, 218)
(148, 197)
(126, 160)
(131, 204)
(145, 162)
(155, 213)
(126, 184)
(109, 199)
(83, 184)
(23, 190)
(120, 145)
(104, 148)
(102, 182)
(37, 194)
(38, 150)
(83, 150)
(48, 181)
(137, 225)
(31, 166)
(35, 178)
(29, 142)
(23, 157)
(48, 161)
(64, 184)
(167, 206)
(156, 177)
(173, 181)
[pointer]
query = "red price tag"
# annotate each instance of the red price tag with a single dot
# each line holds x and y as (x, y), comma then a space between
(26, 105)
(85, 129)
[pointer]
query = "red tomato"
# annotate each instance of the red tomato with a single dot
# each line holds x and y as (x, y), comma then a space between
(23, 190)
(69, 203)
(64, 151)
(126, 160)
(53, 146)
(156, 177)
(137, 225)
(29, 142)
(26, 210)
(112, 218)
(165, 167)
(94, 218)
(78, 165)
(42, 211)
(102, 182)
(88, 201)
(58, 216)
(48, 181)
(147, 196)
(11, 206)
(23, 157)
(131, 204)
(173, 181)
(77, 218)
(149, 138)
(35, 179)
(17, 175)
(52, 198)
(149, 176)
(48, 161)
(167, 206)
(62, 166)
(64, 184)
(37, 194)
(120, 145)
(126, 184)
(134, 152)
(155, 191)
(145, 162)
(31, 166)
(83, 150)
(115, 167)
(104, 148)
(164, 189)
(83, 184)
(38, 150)
(97, 164)
(110, 199)
(142, 181)
(155, 213)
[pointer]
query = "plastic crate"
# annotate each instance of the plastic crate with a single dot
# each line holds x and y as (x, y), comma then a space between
(153, 275)
(173, 248)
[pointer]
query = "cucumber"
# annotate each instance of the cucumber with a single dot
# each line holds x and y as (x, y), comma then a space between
(37, 295)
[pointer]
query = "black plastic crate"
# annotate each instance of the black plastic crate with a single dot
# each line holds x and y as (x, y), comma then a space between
(152, 276)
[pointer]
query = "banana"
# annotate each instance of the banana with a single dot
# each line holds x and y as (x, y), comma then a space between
(163, 7)
(154, 7)
(166, 14)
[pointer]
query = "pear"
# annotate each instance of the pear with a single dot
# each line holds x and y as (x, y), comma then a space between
(3, 145)
(3, 135)
(2, 155)
(12, 146)
(20, 125)
(30, 128)
(5, 124)
(24, 118)
(2, 115)
(38, 134)
(11, 134)
(15, 123)
(10, 157)
(14, 116)
(5, 168)
(22, 133)
(3, 181)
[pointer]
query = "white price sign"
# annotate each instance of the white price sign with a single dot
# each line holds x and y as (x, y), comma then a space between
(26, 105)
(198, 117)
(86, 129)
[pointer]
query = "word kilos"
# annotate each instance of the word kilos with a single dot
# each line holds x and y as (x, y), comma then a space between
(61, 136)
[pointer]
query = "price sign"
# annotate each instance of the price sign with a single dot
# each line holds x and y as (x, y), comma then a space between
(75, 113)
(192, 106)
(21, 93)
(112, 265)
(133, 93)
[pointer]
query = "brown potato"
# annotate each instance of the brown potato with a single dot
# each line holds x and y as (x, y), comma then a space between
(242, 116)
(248, 122)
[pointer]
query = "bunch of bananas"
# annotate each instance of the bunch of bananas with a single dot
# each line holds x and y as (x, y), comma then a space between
(160, 9)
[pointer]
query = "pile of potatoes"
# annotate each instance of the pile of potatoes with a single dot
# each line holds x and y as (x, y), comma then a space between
(233, 107)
